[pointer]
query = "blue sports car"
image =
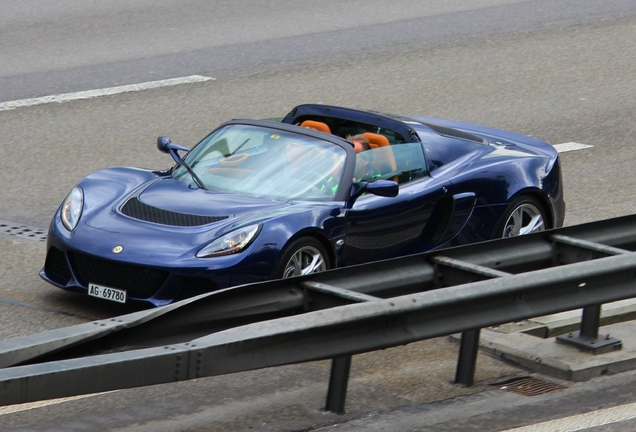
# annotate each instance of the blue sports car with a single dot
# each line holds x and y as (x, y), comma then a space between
(263, 199)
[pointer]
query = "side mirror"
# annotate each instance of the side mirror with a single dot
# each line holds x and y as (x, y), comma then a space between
(163, 143)
(385, 188)
(166, 146)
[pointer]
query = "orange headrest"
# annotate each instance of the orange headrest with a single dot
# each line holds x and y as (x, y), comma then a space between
(319, 126)
(376, 140)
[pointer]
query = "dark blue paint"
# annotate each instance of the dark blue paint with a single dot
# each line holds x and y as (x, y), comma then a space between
(469, 186)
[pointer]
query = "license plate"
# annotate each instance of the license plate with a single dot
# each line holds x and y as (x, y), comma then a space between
(106, 293)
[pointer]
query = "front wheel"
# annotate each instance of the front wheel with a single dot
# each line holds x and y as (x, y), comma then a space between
(524, 215)
(303, 256)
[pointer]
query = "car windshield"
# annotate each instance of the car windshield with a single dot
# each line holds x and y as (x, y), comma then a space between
(257, 161)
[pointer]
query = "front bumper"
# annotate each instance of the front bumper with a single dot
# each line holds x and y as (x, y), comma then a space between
(157, 283)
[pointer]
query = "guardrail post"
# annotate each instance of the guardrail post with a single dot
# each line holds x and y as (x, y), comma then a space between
(468, 348)
(590, 321)
(588, 338)
(338, 380)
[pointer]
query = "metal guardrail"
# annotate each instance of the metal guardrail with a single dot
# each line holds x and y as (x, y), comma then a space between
(333, 315)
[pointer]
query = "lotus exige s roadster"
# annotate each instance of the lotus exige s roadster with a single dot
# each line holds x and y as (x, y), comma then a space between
(263, 199)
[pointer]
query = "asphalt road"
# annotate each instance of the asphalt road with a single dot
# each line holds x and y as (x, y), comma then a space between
(559, 70)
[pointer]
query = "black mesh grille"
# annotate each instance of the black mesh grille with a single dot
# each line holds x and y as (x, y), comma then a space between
(138, 281)
(450, 132)
(137, 209)
(192, 286)
(56, 268)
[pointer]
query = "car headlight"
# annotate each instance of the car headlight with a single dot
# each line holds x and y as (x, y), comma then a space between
(230, 243)
(72, 208)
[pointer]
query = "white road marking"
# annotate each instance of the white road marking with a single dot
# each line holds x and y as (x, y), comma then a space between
(90, 94)
(583, 421)
(571, 146)
(33, 405)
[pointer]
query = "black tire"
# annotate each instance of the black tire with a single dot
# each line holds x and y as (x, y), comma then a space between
(524, 215)
(303, 256)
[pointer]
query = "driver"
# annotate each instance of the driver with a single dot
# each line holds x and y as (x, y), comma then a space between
(360, 143)
(364, 171)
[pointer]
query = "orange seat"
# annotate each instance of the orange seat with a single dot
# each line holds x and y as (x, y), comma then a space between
(316, 125)
(376, 140)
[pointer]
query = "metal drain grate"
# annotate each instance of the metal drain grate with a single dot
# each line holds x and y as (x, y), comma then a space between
(22, 231)
(529, 386)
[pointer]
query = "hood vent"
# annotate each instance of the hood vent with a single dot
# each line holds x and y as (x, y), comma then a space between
(135, 208)
(454, 133)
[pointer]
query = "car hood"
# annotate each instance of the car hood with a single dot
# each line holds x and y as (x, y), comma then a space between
(165, 220)
(165, 204)
(174, 196)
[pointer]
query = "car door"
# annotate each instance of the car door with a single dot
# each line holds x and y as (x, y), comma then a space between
(383, 227)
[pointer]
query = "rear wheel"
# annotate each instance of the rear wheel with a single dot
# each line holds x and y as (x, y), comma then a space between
(524, 215)
(303, 256)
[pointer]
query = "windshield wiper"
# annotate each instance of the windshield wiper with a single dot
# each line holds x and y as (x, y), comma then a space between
(195, 177)
(165, 145)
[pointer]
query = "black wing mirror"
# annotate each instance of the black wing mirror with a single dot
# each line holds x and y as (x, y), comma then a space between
(385, 188)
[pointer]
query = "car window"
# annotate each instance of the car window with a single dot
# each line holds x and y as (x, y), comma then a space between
(257, 161)
(400, 162)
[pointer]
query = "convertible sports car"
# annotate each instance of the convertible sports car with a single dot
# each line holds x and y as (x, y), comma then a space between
(263, 199)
